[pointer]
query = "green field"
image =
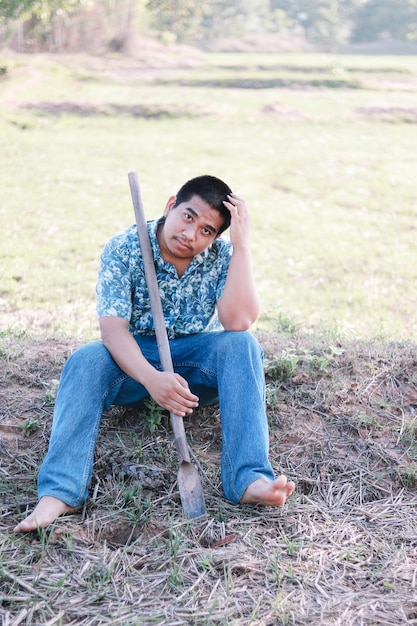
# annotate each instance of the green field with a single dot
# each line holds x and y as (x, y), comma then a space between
(323, 148)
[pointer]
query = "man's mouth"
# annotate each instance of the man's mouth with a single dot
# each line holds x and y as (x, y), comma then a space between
(183, 244)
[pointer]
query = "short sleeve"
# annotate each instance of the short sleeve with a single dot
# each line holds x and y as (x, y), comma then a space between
(114, 285)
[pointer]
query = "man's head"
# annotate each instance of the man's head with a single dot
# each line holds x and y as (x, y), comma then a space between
(194, 219)
(210, 189)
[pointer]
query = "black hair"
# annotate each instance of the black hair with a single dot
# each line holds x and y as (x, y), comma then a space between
(210, 189)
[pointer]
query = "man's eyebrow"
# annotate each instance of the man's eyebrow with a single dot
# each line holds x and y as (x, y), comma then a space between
(196, 215)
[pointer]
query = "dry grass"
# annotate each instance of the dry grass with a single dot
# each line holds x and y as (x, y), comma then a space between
(342, 552)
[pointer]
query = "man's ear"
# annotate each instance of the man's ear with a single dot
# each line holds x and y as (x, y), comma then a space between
(169, 205)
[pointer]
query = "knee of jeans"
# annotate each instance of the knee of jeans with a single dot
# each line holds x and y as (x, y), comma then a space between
(242, 340)
(89, 356)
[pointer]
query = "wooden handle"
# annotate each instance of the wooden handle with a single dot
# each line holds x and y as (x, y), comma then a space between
(156, 306)
(150, 275)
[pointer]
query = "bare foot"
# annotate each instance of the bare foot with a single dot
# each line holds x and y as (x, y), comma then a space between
(45, 512)
(268, 492)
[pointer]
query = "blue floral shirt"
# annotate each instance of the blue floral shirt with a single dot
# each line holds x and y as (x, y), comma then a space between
(189, 302)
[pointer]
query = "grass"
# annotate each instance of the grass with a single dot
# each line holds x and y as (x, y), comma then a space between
(331, 189)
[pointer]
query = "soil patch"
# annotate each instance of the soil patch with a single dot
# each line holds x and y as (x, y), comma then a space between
(343, 424)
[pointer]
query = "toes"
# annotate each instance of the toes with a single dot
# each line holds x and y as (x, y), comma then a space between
(281, 483)
(290, 488)
(25, 527)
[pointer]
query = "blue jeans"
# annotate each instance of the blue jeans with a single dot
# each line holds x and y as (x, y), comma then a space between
(224, 366)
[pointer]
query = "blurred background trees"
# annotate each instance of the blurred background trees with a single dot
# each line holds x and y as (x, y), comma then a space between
(77, 24)
(378, 18)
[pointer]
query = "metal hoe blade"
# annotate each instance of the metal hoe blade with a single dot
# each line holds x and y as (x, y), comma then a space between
(189, 485)
(191, 490)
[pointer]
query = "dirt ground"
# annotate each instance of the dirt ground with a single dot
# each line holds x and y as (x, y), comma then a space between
(343, 551)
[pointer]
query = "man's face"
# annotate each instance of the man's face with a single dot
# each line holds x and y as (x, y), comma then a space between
(189, 229)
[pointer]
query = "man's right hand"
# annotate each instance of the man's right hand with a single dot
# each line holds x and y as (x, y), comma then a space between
(171, 392)
(168, 389)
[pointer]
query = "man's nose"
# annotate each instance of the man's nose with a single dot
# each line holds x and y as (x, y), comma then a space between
(190, 231)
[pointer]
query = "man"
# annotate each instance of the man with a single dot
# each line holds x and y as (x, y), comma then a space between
(209, 300)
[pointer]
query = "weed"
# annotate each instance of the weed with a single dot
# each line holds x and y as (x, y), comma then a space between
(409, 475)
(174, 542)
(275, 567)
(315, 362)
(176, 578)
(282, 367)
(12, 333)
(141, 512)
(368, 421)
(30, 426)
(227, 577)
(99, 576)
(136, 508)
(154, 415)
(271, 396)
(206, 563)
(280, 323)
(50, 395)
(282, 611)
(291, 546)
(408, 431)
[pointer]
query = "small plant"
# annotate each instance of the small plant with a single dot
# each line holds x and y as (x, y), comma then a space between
(291, 546)
(282, 367)
(174, 540)
(285, 325)
(282, 610)
(136, 508)
(98, 577)
(276, 568)
(367, 421)
(154, 415)
(315, 362)
(271, 396)
(30, 426)
(410, 475)
(408, 432)
(206, 563)
(176, 578)
(50, 395)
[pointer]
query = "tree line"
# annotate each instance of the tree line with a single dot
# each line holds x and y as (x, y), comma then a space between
(197, 22)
